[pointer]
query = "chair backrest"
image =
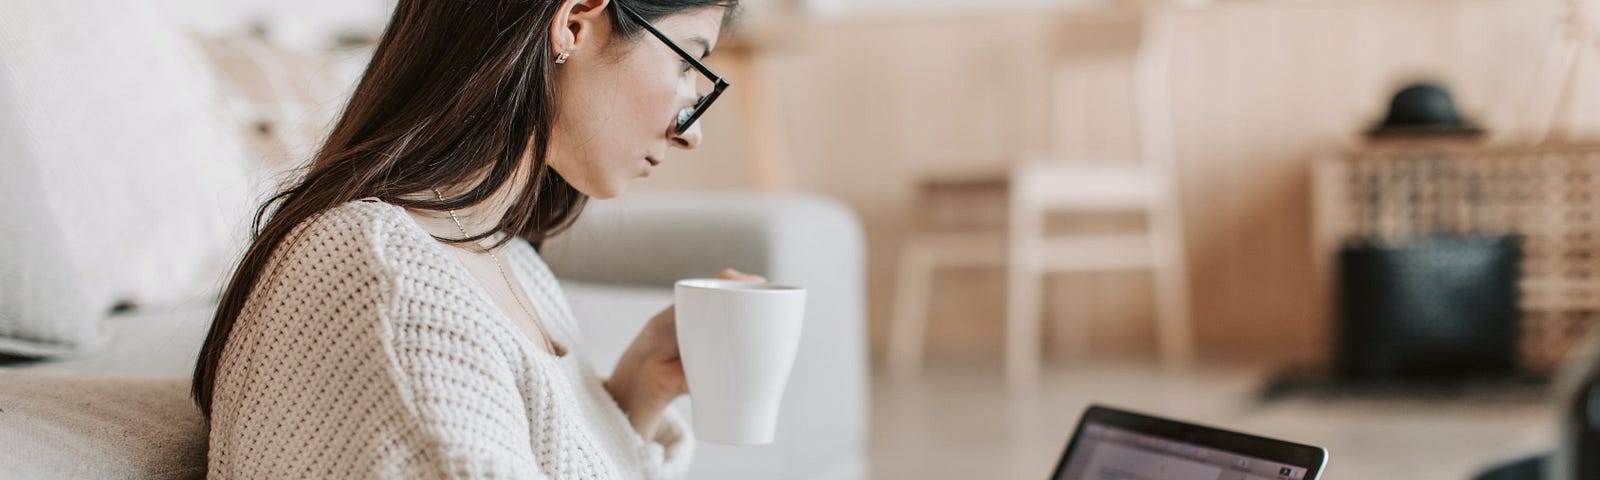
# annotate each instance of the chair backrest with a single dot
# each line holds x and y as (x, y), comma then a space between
(1110, 114)
(1110, 98)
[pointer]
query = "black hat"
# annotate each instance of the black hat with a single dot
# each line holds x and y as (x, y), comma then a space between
(1423, 109)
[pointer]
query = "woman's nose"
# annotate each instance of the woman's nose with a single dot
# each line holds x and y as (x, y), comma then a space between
(687, 140)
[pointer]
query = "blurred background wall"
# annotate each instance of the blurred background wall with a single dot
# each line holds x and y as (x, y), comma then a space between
(863, 99)
(1260, 89)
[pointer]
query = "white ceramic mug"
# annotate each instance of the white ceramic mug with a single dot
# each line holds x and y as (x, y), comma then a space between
(738, 341)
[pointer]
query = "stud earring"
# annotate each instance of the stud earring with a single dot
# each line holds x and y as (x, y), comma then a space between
(562, 58)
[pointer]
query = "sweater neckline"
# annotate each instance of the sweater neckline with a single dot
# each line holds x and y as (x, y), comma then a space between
(535, 296)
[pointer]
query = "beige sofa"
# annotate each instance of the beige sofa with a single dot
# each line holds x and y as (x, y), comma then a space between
(104, 395)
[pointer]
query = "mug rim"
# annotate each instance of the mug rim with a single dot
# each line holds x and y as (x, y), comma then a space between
(719, 284)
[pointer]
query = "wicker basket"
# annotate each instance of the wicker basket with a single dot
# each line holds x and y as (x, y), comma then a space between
(1550, 196)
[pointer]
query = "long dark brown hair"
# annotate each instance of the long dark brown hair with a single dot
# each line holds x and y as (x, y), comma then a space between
(455, 90)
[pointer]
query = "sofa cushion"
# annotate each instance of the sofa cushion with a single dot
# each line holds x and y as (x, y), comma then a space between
(144, 343)
(128, 184)
(76, 426)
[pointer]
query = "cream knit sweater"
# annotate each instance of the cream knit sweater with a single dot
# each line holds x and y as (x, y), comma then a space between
(367, 350)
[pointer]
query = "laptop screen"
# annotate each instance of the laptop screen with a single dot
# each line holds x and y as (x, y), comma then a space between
(1107, 452)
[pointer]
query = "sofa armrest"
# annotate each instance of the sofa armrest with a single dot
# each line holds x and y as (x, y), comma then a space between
(657, 239)
(55, 425)
(654, 240)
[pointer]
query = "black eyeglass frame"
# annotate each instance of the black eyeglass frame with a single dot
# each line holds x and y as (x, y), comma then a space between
(718, 84)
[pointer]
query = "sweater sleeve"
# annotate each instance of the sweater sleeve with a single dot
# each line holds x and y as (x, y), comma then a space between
(676, 444)
(466, 415)
(669, 453)
(454, 382)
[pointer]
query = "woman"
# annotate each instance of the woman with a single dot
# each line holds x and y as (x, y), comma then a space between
(392, 319)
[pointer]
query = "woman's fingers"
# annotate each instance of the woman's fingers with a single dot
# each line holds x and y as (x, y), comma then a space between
(731, 274)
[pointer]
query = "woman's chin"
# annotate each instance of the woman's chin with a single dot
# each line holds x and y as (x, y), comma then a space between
(605, 190)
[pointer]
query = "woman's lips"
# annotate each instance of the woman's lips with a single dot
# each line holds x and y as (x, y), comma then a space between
(649, 164)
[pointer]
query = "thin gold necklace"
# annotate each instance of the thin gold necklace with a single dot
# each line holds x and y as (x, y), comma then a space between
(537, 322)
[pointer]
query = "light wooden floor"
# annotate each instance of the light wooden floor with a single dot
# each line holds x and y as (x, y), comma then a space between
(956, 421)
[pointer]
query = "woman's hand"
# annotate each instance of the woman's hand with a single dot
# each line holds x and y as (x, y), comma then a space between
(650, 373)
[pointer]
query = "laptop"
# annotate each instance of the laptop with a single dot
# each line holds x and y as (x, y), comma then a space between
(1113, 444)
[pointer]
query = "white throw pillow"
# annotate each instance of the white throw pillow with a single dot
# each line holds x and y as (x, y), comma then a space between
(121, 181)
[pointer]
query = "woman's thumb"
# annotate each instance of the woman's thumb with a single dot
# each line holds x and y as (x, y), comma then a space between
(731, 274)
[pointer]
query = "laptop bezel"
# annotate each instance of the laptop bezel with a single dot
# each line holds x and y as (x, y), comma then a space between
(1311, 458)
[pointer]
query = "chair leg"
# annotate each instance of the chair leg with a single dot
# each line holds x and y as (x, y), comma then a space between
(907, 327)
(1022, 325)
(1172, 303)
(1075, 312)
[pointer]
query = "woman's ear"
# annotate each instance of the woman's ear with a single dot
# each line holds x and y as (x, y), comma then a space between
(574, 28)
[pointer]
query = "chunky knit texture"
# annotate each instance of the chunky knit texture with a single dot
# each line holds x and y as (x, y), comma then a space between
(367, 350)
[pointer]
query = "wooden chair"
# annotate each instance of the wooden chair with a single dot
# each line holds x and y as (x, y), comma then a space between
(1040, 186)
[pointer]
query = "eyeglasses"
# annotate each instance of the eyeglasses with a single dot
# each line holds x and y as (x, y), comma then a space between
(709, 86)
